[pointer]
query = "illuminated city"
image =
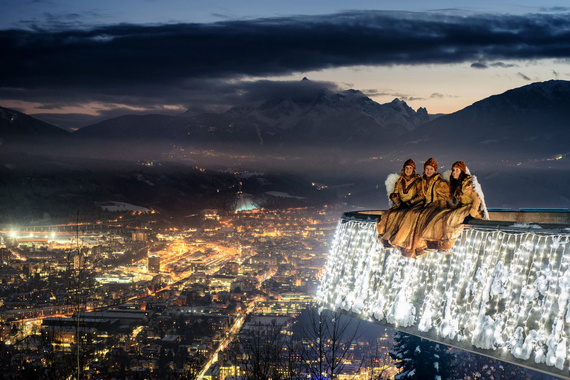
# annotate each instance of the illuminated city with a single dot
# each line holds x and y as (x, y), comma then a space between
(143, 300)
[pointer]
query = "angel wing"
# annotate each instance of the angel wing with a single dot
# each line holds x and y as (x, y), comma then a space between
(390, 185)
(446, 175)
(479, 191)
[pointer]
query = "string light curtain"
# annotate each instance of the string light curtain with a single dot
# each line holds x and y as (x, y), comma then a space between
(502, 289)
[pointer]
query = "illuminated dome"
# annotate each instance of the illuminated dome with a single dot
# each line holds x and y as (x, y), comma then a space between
(244, 202)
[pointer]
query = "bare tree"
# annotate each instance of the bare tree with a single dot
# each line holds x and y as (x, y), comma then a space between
(263, 348)
(379, 361)
(293, 359)
(328, 337)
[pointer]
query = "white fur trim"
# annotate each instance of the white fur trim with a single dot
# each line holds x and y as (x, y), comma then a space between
(390, 185)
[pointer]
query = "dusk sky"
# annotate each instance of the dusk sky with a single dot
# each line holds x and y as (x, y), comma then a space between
(106, 58)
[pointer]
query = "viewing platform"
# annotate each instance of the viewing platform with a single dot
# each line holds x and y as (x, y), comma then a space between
(502, 292)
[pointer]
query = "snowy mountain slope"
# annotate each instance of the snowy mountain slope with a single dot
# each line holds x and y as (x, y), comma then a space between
(344, 117)
(337, 118)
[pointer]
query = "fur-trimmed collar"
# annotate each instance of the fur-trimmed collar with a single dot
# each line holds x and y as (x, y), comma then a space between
(432, 178)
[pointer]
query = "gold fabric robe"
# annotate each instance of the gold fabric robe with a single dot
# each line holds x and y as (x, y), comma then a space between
(405, 191)
(444, 228)
(435, 193)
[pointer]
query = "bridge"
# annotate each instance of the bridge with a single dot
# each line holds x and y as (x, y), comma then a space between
(503, 292)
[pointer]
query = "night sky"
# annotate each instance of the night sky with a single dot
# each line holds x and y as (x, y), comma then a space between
(107, 58)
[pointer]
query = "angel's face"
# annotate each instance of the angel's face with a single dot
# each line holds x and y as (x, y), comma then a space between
(408, 170)
(456, 172)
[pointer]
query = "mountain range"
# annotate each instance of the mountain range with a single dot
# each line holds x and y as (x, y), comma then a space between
(516, 142)
(532, 118)
(322, 118)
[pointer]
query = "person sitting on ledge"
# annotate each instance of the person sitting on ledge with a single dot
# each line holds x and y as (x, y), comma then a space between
(404, 195)
(434, 191)
(442, 230)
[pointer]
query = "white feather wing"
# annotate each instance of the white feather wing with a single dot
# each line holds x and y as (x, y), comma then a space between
(390, 185)
(479, 191)
(446, 175)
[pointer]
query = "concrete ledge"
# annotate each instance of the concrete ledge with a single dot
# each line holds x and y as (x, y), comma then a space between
(554, 219)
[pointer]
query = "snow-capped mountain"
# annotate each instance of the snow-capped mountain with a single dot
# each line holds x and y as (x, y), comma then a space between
(324, 117)
(344, 117)
(515, 141)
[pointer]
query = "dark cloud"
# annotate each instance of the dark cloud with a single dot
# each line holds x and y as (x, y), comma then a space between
(410, 98)
(257, 91)
(555, 9)
(484, 65)
(479, 65)
(437, 95)
(375, 92)
(178, 62)
(524, 76)
(63, 22)
(503, 64)
(399, 95)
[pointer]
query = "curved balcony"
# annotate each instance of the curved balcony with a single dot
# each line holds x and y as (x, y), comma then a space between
(503, 292)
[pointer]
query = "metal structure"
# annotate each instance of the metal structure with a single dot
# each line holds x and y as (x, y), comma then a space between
(503, 292)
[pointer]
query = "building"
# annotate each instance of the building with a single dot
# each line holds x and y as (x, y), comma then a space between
(153, 264)
(140, 236)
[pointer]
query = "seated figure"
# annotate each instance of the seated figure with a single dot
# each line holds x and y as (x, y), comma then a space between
(441, 231)
(434, 191)
(404, 194)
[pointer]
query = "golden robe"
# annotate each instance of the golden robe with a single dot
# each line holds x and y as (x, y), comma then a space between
(444, 228)
(435, 193)
(405, 192)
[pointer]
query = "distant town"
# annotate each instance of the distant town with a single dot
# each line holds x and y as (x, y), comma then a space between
(129, 297)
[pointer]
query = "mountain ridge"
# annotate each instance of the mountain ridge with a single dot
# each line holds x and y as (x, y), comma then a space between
(279, 120)
(16, 124)
(531, 119)
(515, 142)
